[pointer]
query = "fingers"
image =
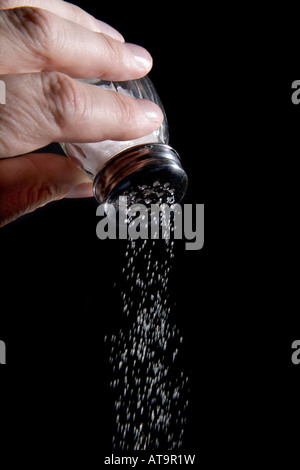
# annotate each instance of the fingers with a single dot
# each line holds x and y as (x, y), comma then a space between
(43, 43)
(52, 107)
(38, 40)
(32, 181)
(68, 11)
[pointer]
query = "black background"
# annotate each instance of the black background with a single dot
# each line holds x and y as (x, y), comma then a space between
(235, 298)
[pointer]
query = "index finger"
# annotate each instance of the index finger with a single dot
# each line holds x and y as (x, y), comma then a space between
(67, 11)
(39, 40)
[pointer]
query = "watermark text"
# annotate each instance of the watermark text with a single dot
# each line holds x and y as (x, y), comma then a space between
(296, 354)
(2, 92)
(2, 352)
(152, 222)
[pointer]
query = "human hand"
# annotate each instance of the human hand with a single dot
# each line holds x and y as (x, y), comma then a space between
(44, 46)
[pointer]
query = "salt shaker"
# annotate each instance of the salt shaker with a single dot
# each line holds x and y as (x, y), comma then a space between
(145, 170)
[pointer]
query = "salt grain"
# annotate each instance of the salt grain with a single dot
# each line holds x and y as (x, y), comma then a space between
(150, 391)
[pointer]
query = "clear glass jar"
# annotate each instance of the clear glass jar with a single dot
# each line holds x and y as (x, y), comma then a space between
(145, 170)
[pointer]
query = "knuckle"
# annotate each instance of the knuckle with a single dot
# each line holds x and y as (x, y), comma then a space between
(62, 100)
(125, 109)
(35, 26)
(38, 196)
(28, 199)
(113, 51)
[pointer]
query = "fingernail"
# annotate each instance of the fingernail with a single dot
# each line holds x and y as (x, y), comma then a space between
(81, 190)
(152, 111)
(109, 30)
(141, 55)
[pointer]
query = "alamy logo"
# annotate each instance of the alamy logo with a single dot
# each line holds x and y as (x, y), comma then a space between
(296, 354)
(152, 222)
(2, 92)
(296, 94)
(2, 352)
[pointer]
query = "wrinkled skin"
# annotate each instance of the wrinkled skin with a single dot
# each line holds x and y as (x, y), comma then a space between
(44, 46)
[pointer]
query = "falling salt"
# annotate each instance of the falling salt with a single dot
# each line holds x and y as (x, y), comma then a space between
(150, 389)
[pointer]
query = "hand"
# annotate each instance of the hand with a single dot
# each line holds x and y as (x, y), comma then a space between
(42, 51)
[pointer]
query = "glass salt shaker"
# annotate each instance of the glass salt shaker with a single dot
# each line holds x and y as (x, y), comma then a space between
(145, 170)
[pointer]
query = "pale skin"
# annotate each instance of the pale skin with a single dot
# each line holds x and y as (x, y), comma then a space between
(44, 46)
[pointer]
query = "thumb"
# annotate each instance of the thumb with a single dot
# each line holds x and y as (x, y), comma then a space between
(33, 180)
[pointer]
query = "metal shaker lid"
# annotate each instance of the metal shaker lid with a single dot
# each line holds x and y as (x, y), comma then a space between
(147, 173)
